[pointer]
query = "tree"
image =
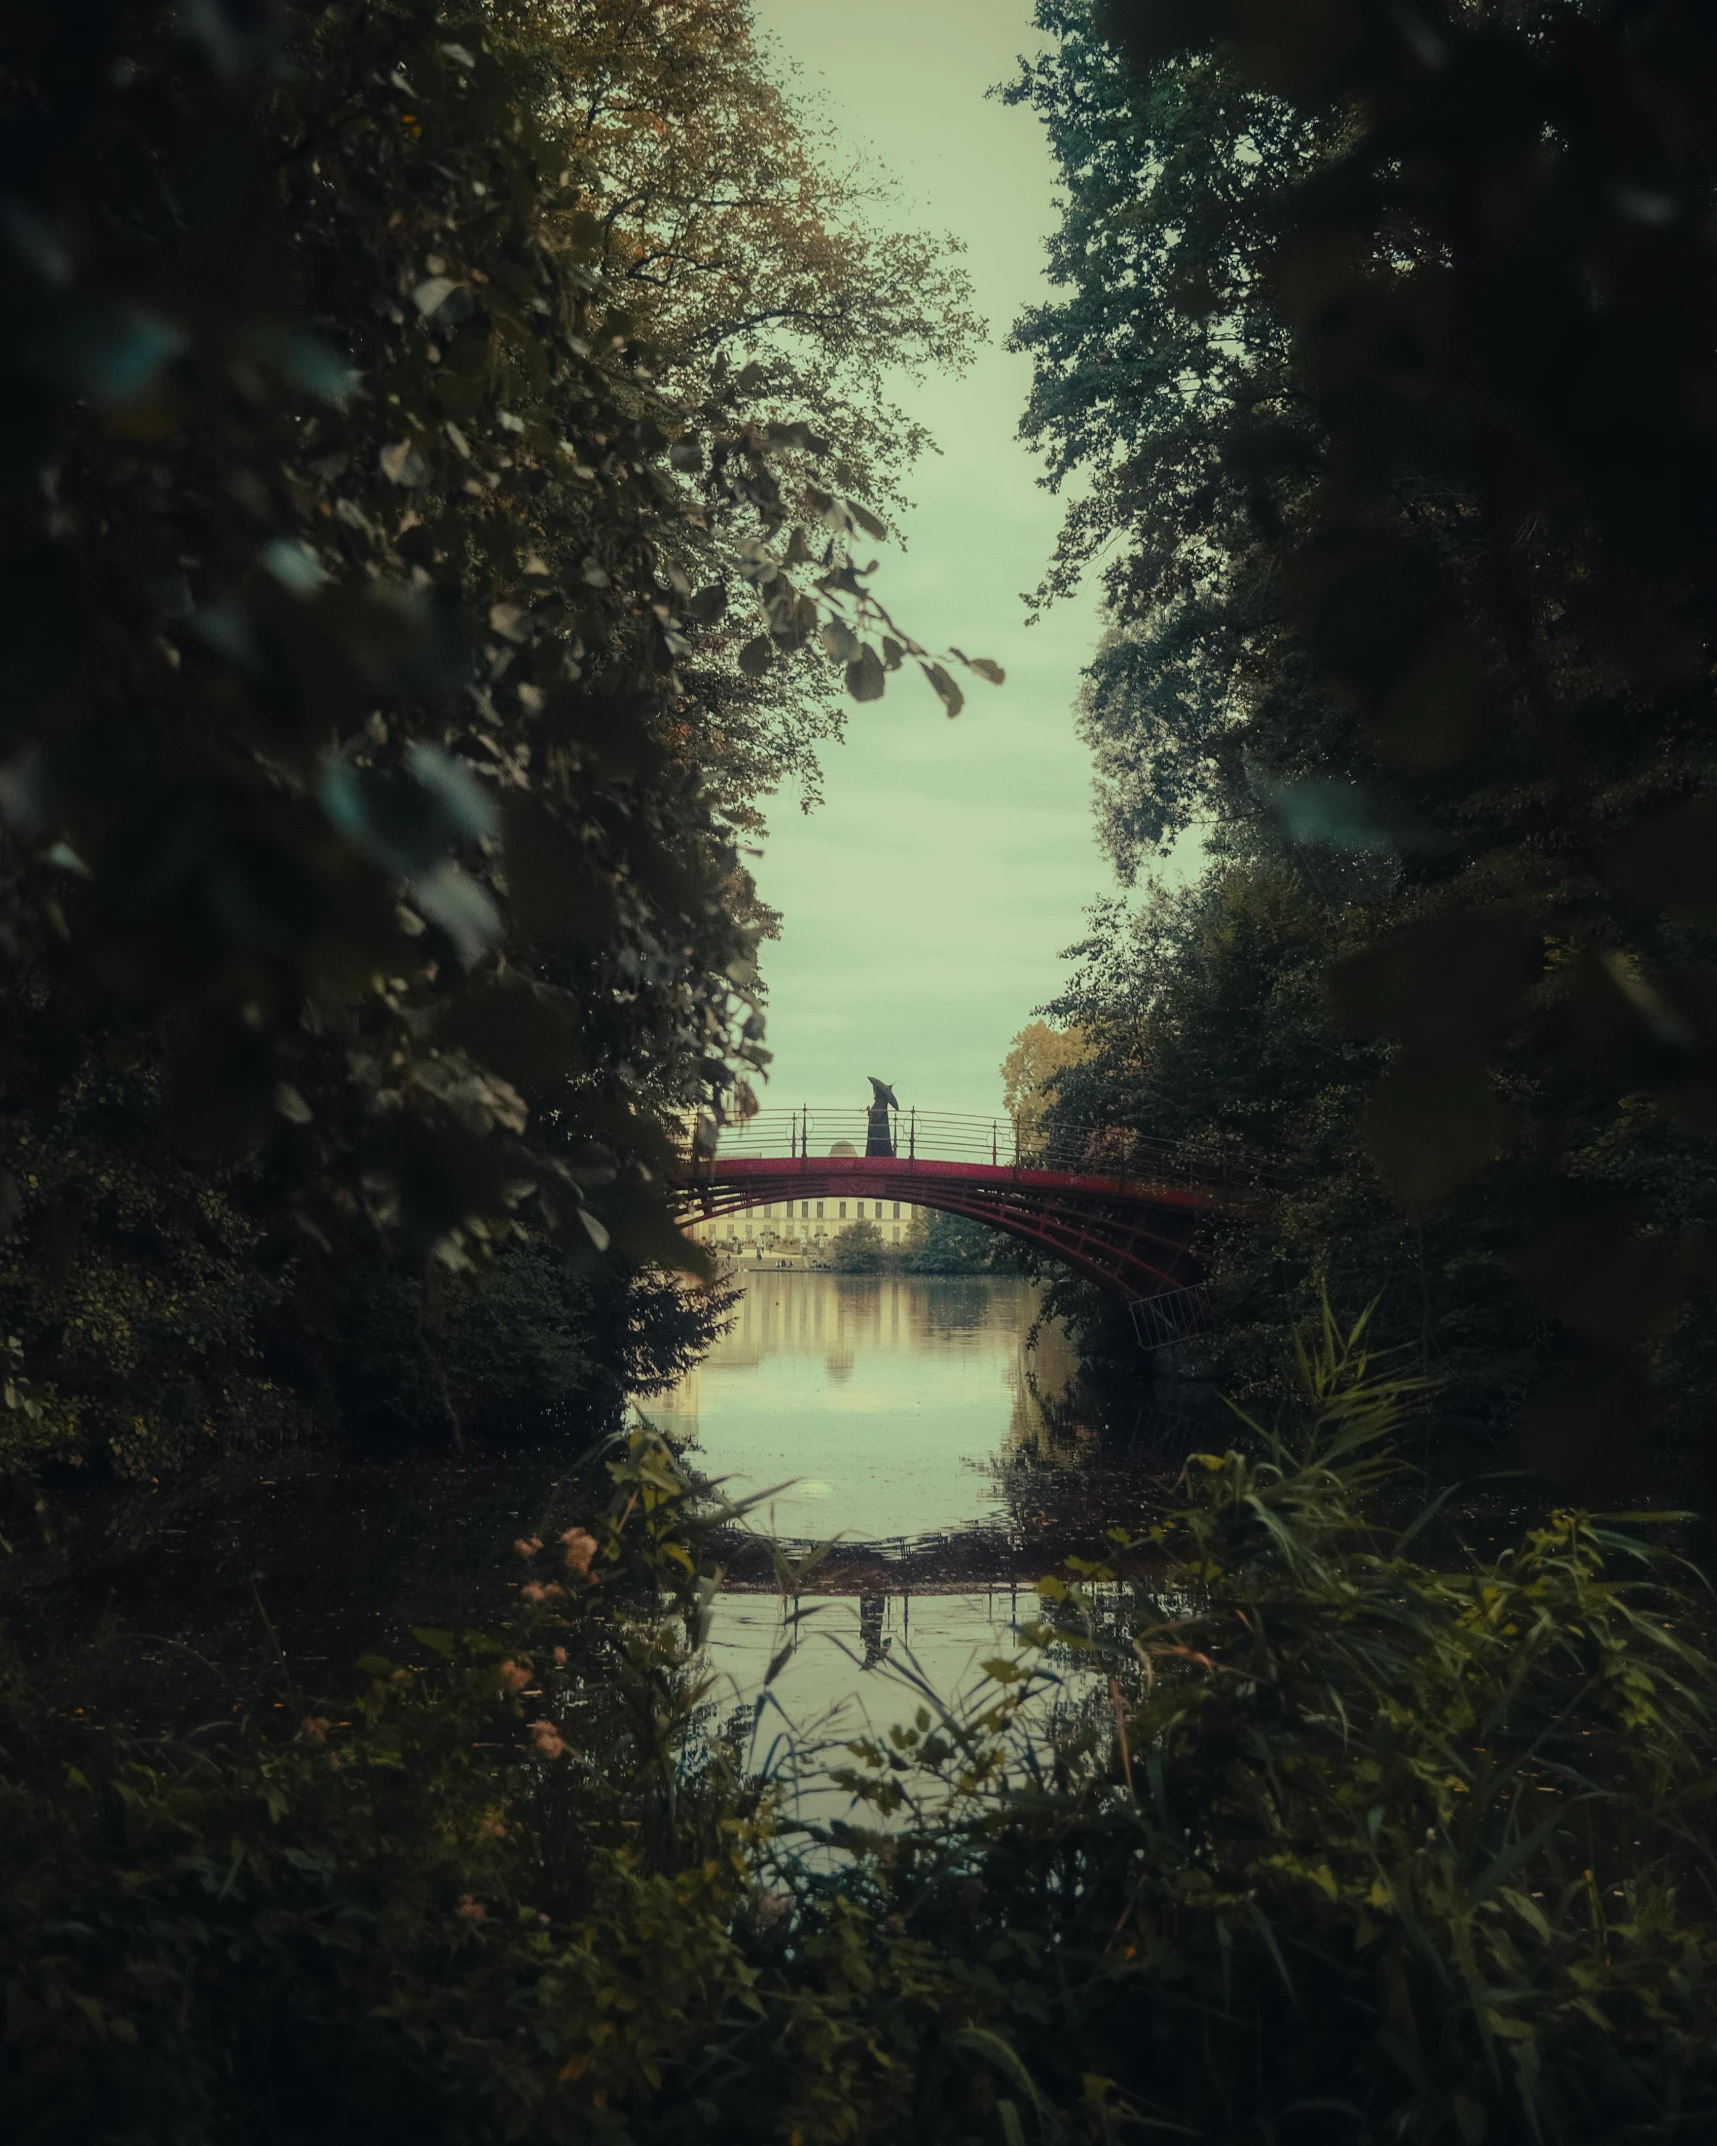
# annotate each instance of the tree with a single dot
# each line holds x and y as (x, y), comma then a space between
(1032, 1069)
(737, 239)
(939, 1243)
(1450, 572)
(1156, 383)
(1210, 1026)
(858, 1249)
(735, 231)
(354, 789)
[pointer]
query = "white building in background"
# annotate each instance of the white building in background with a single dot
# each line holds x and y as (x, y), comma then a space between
(802, 1229)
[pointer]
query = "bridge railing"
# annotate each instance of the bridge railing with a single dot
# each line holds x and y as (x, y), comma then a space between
(813, 1134)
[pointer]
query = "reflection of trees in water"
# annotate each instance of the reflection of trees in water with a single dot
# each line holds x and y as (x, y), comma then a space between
(1082, 1455)
(1042, 1424)
(948, 1304)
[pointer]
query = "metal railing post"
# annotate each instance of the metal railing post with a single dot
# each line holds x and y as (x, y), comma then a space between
(993, 1139)
(912, 1135)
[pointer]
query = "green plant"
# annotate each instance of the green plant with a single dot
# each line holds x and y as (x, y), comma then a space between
(1372, 347)
(859, 1250)
(1273, 1829)
(939, 1243)
(1345, 1844)
(382, 732)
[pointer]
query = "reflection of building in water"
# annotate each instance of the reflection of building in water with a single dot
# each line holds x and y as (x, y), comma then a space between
(849, 1322)
(862, 1318)
(845, 1321)
(803, 1229)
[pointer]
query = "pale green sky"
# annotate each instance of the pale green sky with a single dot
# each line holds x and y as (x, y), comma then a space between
(928, 899)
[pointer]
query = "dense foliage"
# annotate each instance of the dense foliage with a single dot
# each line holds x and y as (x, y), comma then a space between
(939, 1243)
(1386, 344)
(410, 593)
(859, 1249)
(379, 740)
(1294, 1833)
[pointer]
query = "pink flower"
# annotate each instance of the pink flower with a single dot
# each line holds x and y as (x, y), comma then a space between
(528, 1545)
(513, 1677)
(580, 1549)
(548, 1739)
(560, 1657)
(471, 1910)
(315, 1727)
(492, 1829)
(535, 1591)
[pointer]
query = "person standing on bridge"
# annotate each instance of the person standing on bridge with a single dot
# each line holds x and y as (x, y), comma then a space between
(879, 1134)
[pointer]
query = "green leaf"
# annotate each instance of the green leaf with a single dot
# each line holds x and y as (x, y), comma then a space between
(865, 679)
(953, 700)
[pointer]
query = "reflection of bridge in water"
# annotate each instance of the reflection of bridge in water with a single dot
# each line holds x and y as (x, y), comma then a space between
(1100, 1198)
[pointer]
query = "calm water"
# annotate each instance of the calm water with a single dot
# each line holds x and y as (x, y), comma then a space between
(870, 1407)
(881, 1411)
(899, 1418)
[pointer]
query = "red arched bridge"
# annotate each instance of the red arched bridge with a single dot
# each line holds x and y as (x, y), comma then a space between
(1099, 1198)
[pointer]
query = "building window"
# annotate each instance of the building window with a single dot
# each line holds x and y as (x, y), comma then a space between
(897, 1213)
(748, 1233)
(843, 1210)
(819, 1210)
(805, 1207)
(879, 1210)
(897, 1233)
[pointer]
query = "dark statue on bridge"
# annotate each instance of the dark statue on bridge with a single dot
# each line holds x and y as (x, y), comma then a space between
(879, 1135)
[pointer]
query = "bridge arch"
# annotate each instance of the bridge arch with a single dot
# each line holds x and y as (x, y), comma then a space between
(1117, 1250)
(1118, 1215)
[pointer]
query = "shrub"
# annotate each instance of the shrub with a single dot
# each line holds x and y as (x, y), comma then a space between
(1324, 1841)
(1349, 1846)
(949, 1244)
(858, 1249)
(529, 1341)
